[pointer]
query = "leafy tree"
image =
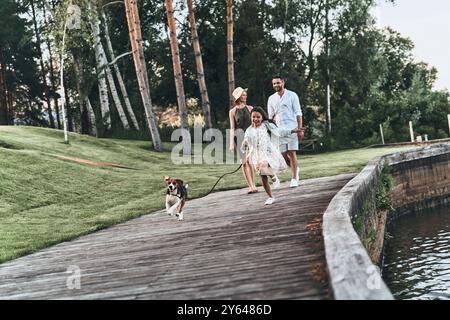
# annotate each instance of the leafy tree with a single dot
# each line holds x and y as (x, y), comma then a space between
(20, 78)
(372, 73)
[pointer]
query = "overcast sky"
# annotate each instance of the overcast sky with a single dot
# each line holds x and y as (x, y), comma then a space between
(427, 24)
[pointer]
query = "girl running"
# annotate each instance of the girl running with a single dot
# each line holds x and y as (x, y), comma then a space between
(262, 152)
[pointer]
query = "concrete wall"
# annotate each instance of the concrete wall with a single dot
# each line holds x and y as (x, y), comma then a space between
(422, 178)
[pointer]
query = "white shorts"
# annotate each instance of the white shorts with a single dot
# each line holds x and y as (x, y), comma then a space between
(289, 143)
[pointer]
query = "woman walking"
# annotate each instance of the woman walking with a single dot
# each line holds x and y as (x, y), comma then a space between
(240, 119)
(262, 153)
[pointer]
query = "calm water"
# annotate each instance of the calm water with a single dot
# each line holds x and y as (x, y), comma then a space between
(417, 257)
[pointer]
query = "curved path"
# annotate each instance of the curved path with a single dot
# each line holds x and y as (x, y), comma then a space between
(230, 246)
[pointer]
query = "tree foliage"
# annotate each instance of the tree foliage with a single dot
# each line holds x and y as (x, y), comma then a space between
(373, 75)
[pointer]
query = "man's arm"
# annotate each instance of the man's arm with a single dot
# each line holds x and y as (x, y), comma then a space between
(298, 113)
(296, 108)
(300, 133)
(270, 110)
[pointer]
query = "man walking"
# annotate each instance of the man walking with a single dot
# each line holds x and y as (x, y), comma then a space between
(284, 108)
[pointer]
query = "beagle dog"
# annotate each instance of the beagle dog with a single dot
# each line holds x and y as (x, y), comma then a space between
(176, 196)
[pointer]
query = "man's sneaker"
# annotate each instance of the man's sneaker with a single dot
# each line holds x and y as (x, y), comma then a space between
(294, 183)
(269, 201)
(276, 182)
(298, 174)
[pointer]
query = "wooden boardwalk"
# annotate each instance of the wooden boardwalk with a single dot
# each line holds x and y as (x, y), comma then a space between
(230, 246)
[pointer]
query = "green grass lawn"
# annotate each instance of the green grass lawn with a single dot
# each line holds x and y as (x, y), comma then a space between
(45, 200)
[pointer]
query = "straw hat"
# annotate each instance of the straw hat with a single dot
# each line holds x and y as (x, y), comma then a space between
(237, 93)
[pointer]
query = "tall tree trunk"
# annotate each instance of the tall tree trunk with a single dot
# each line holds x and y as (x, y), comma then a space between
(10, 113)
(84, 113)
(263, 67)
(206, 105)
(95, 25)
(101, 74)
(315, 16)
(52, 72)
(68, 107)
(283, 48)
(41, 59)
(3, 93)
(178, 78)
(53, 83)
(230, 54)
(134, 28)
(91, 115)
(6, 97)
(123, 89)
(115, 96)
(104, 100)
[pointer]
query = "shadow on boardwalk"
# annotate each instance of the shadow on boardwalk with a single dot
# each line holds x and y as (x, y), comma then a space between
(230, 246)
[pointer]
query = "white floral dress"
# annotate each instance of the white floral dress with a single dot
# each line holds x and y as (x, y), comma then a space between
(262, 147)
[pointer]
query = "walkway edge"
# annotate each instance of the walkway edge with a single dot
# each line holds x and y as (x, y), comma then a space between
(352, 274)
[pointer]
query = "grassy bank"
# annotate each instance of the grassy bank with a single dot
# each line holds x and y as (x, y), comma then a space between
(45, 200)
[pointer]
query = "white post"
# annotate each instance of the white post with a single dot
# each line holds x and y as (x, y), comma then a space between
(327, 47)
(329, 108)
(411, 131)
(448, 116)
(382, 135)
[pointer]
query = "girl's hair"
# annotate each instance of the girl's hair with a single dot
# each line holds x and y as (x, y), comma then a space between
(263, 114)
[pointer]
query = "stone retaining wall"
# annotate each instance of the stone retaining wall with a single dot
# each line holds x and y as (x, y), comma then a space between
(421, 178)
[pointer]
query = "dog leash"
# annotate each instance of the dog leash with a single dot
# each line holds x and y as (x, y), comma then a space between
(229, 173)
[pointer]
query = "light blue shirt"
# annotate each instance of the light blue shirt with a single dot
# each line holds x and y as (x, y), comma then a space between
(285, 109)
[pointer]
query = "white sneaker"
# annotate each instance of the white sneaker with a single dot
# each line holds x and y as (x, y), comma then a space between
(276, 182)
(294, 183)
(298, 174)
(269, 201)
